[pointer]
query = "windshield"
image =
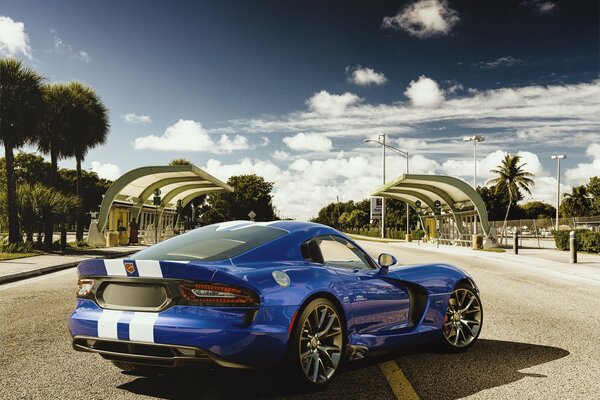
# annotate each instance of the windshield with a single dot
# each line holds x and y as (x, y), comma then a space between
(211, 243)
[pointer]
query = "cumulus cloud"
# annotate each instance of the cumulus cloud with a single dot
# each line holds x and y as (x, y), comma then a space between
(581, 174)
(334, 105)
(540, 7)
(280, 155)
(500, 62)
(365, 76)
(424, 18)
(424, 92)
(60, 47)
(106, 170)
(188, 135)
(308, 142)
(13, 38)
(137, 119)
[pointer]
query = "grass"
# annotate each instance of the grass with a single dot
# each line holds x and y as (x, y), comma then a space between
(493, 250)
(12, 256)
(372, 239)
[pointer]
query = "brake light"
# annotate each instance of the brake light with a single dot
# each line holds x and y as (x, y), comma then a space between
(85, 287)
(204, 294)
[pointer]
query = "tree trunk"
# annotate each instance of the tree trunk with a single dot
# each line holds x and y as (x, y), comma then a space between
(11, 188)
(505, 218)
(79, 233)
(49, 222)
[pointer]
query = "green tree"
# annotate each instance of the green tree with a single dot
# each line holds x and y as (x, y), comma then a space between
(90, 128)
(251, 193)
(496, 201)
(180, 161)
(512, 178)
(537, 210)
(20, 114)
(576, 204)
(60, 105)
(35, 200)
(593, 189)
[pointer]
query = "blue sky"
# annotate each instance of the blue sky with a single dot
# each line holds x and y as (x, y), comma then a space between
(290, 90)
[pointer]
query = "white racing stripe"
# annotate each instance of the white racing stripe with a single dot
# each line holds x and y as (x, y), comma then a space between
(107, 324)
(231, 224)
(148, 268)
(141, 327)
(115, 267)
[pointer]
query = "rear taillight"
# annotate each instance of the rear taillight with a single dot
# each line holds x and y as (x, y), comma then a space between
(218, 295)
(85, 287)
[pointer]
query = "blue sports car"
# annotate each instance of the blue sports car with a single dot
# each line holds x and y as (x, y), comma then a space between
(248, 295)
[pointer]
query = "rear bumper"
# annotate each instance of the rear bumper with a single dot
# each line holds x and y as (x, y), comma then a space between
(182, 335)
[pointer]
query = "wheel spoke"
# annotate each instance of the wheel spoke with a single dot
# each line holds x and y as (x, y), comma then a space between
(465, 308)
(316, 361)
(468, 327)
(322, 319)
(331, 333)
(328, 326)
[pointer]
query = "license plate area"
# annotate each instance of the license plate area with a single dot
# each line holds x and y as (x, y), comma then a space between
(133, 296)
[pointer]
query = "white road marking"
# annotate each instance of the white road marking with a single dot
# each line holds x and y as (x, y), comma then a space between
(115, 267)
(149, 268)
(141, 327)
(107, 324)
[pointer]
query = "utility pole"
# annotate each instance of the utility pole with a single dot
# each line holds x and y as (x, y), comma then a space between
(558, 158)
(382, 139)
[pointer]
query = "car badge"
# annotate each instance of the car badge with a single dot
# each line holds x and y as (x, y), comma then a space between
(130, 267)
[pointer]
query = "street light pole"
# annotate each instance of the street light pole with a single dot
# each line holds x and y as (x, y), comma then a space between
(474, 139)
(558, 158)
(402, 153)
(382, 139)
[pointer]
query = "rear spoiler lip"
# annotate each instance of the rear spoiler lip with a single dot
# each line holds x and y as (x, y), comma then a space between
(152, 269)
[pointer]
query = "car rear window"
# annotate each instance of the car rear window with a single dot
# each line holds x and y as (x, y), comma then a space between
(211, 243)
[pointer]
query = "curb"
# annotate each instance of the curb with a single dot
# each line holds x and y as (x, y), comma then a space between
(55, 268)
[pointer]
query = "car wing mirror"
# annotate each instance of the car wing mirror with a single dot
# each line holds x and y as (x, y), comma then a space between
(385, 261)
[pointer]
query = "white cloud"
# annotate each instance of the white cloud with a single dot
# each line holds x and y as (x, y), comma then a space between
(265, 141)
(188, 135)
(581, 174)
(60, 47)
(308, 142)
(365, 76)
(137, 119)
(540, 7)
(106, 171)
(280, 155)
(13, 38)
(424, 18)
(326, 103)
(507, 61)
(424, 92)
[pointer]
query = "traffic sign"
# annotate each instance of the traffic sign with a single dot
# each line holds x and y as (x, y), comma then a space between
(418, 203)
(251, 214)
(437, 204)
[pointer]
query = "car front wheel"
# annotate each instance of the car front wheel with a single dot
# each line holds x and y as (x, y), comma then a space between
(463, 319)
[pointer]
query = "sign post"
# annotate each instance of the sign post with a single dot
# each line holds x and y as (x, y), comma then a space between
(438, 214)
(156, 204)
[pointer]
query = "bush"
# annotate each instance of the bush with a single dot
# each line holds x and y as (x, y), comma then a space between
(586, 240)
(20, 247)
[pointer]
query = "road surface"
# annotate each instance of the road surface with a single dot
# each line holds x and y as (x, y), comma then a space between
(540, 340)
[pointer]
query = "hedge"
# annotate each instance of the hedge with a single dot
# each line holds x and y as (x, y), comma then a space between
(586, 240)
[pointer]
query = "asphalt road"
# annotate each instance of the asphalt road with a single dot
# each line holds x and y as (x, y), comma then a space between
(540, 340)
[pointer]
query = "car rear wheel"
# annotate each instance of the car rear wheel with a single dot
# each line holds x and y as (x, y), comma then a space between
(463, 319)
(317, 344)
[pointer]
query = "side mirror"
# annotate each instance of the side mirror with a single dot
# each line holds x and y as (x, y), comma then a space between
(386, 260)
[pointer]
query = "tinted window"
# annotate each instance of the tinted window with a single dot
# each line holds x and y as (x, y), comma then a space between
(211, 243)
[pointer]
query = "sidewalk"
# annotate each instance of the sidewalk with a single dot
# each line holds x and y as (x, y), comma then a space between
(546, 261)
(23, 268)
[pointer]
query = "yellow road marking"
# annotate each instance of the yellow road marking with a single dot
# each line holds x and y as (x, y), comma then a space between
(401, 387)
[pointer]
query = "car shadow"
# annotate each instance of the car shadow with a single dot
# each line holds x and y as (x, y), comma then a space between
(488, 364)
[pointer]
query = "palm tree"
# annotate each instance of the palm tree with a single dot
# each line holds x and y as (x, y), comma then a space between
(90, 129)
(59, 106)
(577, 202)
(512, 179)
(20, 115)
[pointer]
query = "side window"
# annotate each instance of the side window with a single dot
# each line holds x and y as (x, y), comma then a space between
(338, 252)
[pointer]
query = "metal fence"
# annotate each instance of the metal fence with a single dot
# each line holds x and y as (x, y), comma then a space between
(540, 232)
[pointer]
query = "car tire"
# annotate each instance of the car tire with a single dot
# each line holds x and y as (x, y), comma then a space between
(463, 319)
(317, 345)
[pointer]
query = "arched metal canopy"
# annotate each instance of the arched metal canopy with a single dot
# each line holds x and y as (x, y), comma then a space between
(455, 195)
(176, 182)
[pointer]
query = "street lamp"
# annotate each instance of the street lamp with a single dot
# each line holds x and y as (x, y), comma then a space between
(474, 139)
(381, 141)
(558, 158)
